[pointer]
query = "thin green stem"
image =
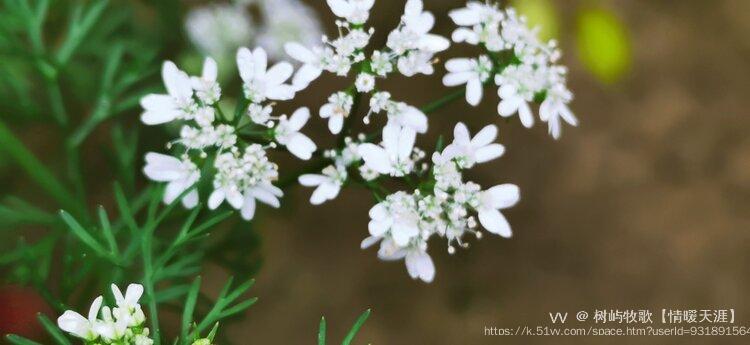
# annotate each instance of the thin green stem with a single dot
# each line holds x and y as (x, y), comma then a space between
(148, 283)
(441, 102)
(38, 172)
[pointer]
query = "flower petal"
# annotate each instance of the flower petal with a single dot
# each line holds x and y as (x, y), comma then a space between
(504, 195)
(474, 91)
(488, 153)
(376, 158)
(299, 52)
(335, 124)
(494, 222)
(420, 266)
(301, 146)
(486, 136)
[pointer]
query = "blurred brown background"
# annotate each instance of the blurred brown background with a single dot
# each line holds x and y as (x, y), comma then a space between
(644, 206)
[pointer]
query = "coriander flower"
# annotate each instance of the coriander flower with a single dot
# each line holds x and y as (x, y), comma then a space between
(206, 88)
(354, 11)
(313, 62)
(176, 104)
(128, 308)
(414, 32)
(365, 82)
(401, 114)
(264, 192)
(555, 107)
(286, 21)
(336, 110)
(472, 72)
(491, 202)
(328, 183)
(179, 175)
(218, 30)
(261, 83)
(393, 157)
(515, 99)
(79, 326)
(287, 133)
(525, 68)
(397, 217)
(380, 63)
(468, 151)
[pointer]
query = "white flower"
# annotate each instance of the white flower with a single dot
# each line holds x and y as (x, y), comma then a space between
(205, 116)
(205, 86)
(177, 104)
(476, 13)
(354, 11)
(414, 32)
(236, 174)
(111, 328)
(218, 30)
(554, 108)
(381, 63)
(259, 114)
(79, 326)
(396, 217)
(287, 21)
(380, 101)
(365, 82)
(287, 134)
(416, 62)
(328, 183)
(313, 62)
(491, 202)
(419, 265)
(467, 150)
(265, 193)
(403, 115)
(514, 102)
(336, 110)
(394, 156)
(179, 175)
(472, 72)
(128, 308)
(261, 83)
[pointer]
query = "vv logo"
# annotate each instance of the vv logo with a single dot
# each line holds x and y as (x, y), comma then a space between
(558, 317)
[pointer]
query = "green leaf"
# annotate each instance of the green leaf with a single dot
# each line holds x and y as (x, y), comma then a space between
(603, 45)
(357, 325)
(19, 340)
(84, 236)
(53, 330)
(107, 231)
(322, 331)
(36, 170)
(187, 312)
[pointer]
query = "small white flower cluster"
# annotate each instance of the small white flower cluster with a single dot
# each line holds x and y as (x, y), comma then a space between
(243, 173)
(411, 47)
(523, 67)
(220, 29)
(123, 324)
(403, 223)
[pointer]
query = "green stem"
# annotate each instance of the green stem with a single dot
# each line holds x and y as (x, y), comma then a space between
(439, 103)
(148, 283)
(38, 172)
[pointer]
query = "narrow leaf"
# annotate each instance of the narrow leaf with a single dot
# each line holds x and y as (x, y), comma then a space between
(53, 330)
(357, 325)
(187, 312)
(322, 331)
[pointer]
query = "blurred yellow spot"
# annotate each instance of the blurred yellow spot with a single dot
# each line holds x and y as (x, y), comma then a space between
(541, 14)
(603, 44)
